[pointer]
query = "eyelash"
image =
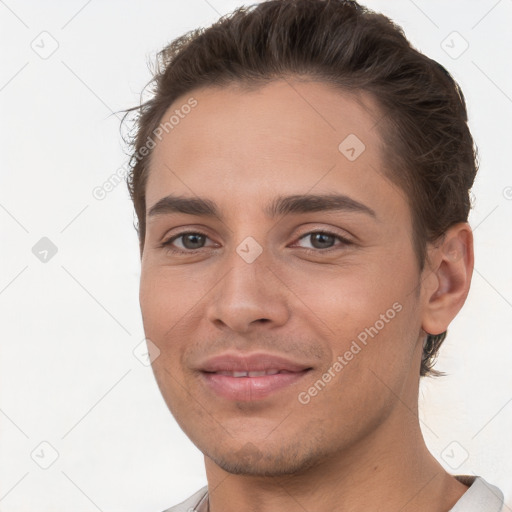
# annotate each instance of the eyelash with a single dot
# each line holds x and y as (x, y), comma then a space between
(167, 243)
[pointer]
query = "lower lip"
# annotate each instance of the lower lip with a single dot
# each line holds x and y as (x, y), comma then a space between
(248, 389)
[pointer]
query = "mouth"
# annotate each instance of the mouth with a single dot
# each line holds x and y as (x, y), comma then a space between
(250, 377)
(251, 373)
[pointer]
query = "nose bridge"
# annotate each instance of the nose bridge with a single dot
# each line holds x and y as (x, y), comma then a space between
(248, 292)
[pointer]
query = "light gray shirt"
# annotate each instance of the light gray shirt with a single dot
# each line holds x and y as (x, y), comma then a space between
(480, 497)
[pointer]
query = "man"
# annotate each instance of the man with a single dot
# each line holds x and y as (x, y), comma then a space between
(301, 179)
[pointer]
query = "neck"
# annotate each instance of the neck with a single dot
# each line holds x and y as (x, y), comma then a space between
(391, 469)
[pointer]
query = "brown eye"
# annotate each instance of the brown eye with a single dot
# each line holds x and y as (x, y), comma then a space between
(188, 242)
(323, 240)
(192, 240)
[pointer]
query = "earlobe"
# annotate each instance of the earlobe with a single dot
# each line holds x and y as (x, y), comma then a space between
(452, 267)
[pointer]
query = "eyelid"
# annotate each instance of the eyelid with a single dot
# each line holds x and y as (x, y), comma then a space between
(344, 235)
(167, 241)
(345, 241)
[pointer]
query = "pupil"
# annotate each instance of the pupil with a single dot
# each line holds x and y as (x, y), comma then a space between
(323, 238)
(195, 241)
(320, 240)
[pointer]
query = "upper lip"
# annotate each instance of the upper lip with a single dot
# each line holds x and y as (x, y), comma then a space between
(254, 362)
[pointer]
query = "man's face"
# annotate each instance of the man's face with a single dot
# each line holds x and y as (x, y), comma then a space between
(218, 308)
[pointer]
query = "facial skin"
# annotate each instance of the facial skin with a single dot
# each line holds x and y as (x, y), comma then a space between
(241, 150)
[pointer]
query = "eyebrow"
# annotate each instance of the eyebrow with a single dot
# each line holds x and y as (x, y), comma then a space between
(281, 205)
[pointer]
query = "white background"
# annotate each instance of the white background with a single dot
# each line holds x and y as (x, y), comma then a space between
(69, 326)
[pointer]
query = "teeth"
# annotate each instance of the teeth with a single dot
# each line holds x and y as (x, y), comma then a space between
(257, 374)
(250, 374)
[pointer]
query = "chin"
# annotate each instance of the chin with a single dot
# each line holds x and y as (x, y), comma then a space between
(250, 460)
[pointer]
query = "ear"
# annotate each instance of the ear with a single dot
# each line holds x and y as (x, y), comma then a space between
(447, 278)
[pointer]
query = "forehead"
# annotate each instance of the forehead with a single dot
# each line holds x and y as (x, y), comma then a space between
(289, 135)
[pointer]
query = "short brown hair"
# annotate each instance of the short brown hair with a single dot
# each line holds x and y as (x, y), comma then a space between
(429, 150)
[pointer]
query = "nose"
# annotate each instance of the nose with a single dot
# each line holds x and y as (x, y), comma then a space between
(249, 295)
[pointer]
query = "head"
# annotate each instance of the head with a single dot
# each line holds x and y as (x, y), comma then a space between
(258, 125)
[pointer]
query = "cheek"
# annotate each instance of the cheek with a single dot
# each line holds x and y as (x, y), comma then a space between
(351, 299)
(161, 309)
(370, 313)
(166, 297)
(172, 305)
